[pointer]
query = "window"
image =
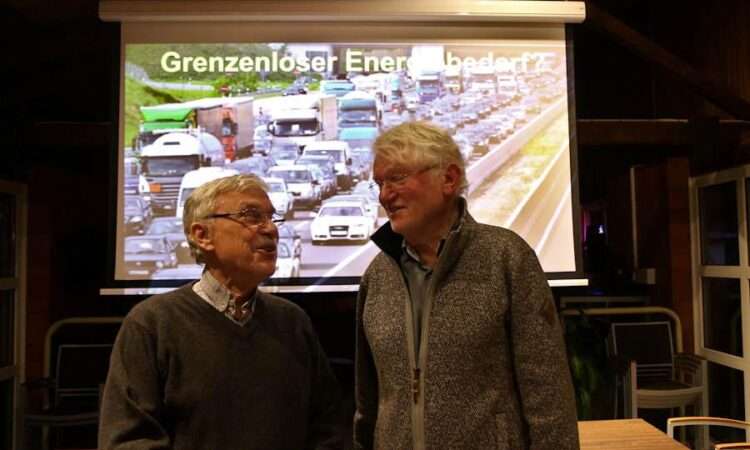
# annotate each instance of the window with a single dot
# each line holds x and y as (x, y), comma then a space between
(719, 205)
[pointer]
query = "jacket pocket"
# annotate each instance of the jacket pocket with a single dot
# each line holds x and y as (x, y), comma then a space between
(501, 432)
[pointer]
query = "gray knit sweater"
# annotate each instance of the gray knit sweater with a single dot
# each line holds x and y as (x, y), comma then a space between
(182, 376)
(492, 371)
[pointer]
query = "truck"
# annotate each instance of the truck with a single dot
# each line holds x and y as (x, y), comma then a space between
(229, 119)
(507, 85)
(170, 157)
(454, 80)
(303, 119)
(430, 85)
(342, 158)
(196, 178)
(358, 109)
(337, 88)
(482, 79)
(427, 68)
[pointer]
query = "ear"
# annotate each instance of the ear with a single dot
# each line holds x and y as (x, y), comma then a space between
(451, 180)
(201, 235)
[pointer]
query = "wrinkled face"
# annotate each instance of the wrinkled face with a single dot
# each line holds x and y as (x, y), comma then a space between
(414, 197)
(238, 250)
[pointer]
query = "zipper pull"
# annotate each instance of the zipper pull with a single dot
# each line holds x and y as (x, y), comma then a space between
(415, 385)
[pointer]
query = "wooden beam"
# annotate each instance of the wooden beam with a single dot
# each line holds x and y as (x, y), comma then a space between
(653, 132)
(668, 132)
(708, 87)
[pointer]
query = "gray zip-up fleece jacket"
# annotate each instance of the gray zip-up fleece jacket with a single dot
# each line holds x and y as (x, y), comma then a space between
(492, 371)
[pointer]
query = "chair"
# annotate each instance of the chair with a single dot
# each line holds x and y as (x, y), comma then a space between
(655, 376)
(74, 373)
(674, 422)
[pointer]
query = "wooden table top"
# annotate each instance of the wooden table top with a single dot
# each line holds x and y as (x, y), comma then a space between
(626, 434)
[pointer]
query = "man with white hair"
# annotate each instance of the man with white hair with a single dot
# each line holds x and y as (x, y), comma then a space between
(458, 343)
(218, 364)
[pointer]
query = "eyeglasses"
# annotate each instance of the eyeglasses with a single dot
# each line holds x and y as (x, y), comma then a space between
(251, 217)
(398, 179)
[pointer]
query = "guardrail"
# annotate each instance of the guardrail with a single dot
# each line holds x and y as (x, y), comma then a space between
(539, 206)
(496, 157)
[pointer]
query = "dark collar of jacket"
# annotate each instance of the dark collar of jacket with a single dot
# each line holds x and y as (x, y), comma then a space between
(391, 243)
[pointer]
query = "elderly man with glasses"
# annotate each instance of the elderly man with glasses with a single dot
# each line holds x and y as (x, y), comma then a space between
(218, 364)
(458, 343)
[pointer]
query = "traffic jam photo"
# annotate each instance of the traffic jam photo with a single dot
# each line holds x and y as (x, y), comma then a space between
(303, 117)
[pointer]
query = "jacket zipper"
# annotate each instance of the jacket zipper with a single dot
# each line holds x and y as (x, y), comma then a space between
(415, 385)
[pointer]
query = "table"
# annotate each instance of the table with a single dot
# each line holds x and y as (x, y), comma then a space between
(627, 434)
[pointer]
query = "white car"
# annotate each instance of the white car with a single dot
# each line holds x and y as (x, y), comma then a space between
(287, 263)
(301, 182)
(341, 221)
(281, 199)
(371, 208)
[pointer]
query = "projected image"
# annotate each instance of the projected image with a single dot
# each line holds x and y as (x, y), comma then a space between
(304, 116)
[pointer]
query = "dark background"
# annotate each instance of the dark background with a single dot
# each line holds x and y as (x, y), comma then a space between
(58, 113)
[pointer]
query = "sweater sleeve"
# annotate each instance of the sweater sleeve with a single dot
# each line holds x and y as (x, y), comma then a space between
(132, 407)
(540, 361)
(366, 382)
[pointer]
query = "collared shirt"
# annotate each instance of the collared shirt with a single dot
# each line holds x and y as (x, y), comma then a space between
(221, 298)
(418, 275)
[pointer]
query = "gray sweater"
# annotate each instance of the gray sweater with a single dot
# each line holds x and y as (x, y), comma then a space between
(492, 371)
(183, 376)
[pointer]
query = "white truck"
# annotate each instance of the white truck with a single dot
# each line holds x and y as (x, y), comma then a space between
(482, 79)
(304, 119)
(453, 79)
(342, 158)
(196, 178)
(170, 157)
(427, 66)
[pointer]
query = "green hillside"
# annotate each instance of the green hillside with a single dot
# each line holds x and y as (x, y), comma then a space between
(138, 94)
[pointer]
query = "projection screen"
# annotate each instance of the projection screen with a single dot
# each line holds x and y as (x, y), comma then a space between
(299, 104)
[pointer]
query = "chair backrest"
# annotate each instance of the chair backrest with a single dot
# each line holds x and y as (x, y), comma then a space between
(674, 422)
(649, 344)
(80, 369)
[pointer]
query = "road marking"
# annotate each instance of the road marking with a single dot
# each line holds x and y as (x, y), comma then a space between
(553, 222)
(537, 183)
(345, 262)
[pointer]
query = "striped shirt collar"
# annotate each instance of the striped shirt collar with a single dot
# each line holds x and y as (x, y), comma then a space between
(221, 298)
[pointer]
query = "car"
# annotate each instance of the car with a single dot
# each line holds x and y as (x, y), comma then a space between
(287, 263)
(137, 215)
(301, 182)
(285, 154)
(294, 90)
(342, 156)
(281, 199)
(256, 164)
(145, 255)
(371, 208)
(368, 189)
(517, 114)
(172, 229)
(341, 221)
(391, 120)
(326, 165)
(464, 145)
(289, 235)
(262, 140)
